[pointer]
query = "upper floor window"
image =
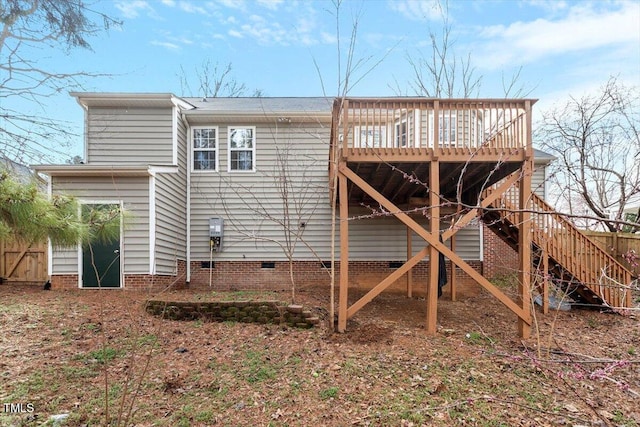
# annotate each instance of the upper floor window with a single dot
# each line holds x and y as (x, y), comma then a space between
(448, 122)
(242, 146)
(205, 148)
(401, 133)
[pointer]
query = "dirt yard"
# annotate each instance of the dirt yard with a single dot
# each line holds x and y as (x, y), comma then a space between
(98, 356)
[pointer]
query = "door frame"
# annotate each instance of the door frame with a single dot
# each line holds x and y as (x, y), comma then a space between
(120, 239)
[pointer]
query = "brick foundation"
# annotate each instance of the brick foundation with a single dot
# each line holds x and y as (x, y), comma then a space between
(137, 282)
(64, 281)
(250, 275)
(500, 259)
(232, 275)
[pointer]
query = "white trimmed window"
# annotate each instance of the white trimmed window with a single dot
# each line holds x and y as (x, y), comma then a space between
(448, 125)
(205, 148)
(242, 148)
(401, 133)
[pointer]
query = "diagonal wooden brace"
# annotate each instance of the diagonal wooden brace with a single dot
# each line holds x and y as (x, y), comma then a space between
(365, 299)
(433, 241)
(468, 217)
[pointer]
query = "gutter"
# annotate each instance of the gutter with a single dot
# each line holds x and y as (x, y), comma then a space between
(103, 170)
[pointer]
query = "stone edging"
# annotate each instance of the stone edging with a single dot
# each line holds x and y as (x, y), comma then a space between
(273, 312)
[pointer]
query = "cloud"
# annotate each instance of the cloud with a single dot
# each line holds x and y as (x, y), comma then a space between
(417, 10)
(191, 7)
(132, 9)
(266, 30)
(167, 45)
(233, 4)
(172, 42)
(270, 4)
(582, 28)
(548, 5)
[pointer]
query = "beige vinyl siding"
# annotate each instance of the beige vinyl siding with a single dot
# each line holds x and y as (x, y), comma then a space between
(129, 136)
(171, 202)
(236, 196)
(538, 179)
(134, 192)
(249, 202)
(386, 239)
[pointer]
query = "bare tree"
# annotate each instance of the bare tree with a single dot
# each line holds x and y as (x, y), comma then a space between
(214, 81)
(441, 73)
(29, 26)
(596, 139)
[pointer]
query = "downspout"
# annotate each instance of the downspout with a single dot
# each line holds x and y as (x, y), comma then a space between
(188, 212)
(152, 224)
(49, 246)
(174, 136)
(86, 134)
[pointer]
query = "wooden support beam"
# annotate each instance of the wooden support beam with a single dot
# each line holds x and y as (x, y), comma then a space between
(524, 247)
(410, 272)
(453, 281)
(545, 281)
(433, 240)
(388, 281)
(434, 255)
(484, 203)
(344, 253)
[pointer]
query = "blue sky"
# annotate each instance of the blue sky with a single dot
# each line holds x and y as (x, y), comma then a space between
(563, 47)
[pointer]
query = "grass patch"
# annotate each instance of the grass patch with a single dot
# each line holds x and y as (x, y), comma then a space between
(257, 367)
(204, 416)
(26, 390)
(101, 356)
(78, 372)
(329, 393)
(478, 338)
(149, 340)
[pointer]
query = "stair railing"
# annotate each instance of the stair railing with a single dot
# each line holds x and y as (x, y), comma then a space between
(568, 246)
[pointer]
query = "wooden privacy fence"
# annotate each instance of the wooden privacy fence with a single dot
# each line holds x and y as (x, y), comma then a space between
(617, 245)
(22, 263)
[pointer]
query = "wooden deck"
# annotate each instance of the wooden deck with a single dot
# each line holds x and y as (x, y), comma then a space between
(390, 143)
(435, 156)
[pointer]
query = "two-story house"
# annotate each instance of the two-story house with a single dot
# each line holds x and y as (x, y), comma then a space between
(237, 192)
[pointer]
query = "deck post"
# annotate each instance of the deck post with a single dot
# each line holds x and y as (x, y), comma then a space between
(524, 235)
(344, 252)
(524, 246)
(434, 255)
(545, 281)
(410, 272)
(452, 282)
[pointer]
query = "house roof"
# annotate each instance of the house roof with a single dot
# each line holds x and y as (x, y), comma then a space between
(263, 104)
(103, 170)
(21, 172)
(259, 109)
(542, 156)
(196, 109)
(120, 99)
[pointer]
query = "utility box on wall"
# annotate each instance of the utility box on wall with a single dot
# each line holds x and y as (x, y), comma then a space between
(216, 232)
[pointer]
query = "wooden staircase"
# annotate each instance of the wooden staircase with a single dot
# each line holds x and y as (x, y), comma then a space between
(561, 253)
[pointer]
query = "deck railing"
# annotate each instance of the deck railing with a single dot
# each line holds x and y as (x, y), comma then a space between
(574, 251)
(471, 124)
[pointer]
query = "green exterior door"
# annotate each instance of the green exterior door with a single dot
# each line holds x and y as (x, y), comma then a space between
(101, 260)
